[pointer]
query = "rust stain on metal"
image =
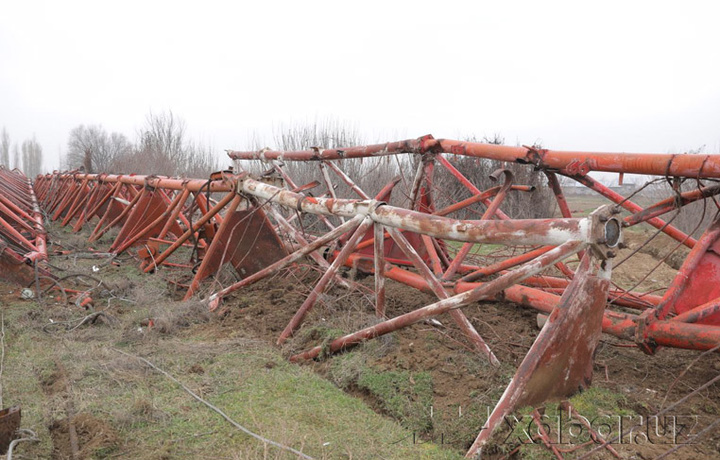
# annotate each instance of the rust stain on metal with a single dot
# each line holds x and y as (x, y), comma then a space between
(9, 424)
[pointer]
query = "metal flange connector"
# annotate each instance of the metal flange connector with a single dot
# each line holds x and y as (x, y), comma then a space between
(606, 234)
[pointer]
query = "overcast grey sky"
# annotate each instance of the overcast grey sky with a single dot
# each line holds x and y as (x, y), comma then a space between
(617, 76)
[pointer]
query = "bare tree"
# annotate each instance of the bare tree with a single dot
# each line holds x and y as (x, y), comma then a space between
(161, 142)
(198, 161)
(371, 174)
(31, 157)
(163, 148)
(539, 203)
(326, 134)
(94, 149)
(16, 157)
(5, 148)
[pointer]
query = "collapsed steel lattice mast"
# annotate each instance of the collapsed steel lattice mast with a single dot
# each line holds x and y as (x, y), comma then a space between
(22, 233)
(254, 223)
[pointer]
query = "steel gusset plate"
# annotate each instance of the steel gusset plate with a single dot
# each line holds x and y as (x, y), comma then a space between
(560, 361)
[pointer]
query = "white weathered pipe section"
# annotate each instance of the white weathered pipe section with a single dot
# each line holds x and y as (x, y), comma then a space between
(522, 231)
(311, 205)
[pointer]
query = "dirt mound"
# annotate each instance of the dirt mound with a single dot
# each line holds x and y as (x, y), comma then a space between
(54, 383)
(93, 435)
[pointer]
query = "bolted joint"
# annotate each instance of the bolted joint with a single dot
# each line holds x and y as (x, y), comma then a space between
(605, 232)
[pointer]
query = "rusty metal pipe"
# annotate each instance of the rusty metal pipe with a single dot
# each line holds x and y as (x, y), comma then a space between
(505, 264)
(701, 166)
(379, 265)
(487, 215)
(315, 255)
(325, 279)
(671, 204)
(481, 292)
(345, 178)
(457, 315)
(137, 235)
(99, 232)
(615, 197)
(680, 283)
(202, 270)
(523, 231)
(167, 183)
(215, 298)
(699, 313)
(186, 236)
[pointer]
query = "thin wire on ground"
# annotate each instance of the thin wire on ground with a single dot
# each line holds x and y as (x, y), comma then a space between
(220, 412)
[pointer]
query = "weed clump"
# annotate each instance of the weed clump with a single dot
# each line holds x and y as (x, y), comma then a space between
(597, 402)
(404, 396)
(180, 316)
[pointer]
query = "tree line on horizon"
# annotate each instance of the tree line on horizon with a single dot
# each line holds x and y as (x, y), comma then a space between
(27, 156)
(161, 147)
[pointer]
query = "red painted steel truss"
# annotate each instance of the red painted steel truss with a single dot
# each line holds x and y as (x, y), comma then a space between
(22, 234)
(262, 223)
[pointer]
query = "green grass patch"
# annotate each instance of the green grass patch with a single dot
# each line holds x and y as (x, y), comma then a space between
(477, 249)
(404, 396)
(599, 402)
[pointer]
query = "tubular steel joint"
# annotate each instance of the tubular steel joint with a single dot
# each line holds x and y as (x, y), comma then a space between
(605, 232)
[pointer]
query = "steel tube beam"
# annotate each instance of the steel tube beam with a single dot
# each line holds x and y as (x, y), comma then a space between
(190, 231)
(202, 270)
(700, 166)
(699, 313)
(523, 231)
(693, 259)
(671, 204)
(660, 224)
(457, 315)
(481, 292)
(193, 185)
(324, 280)
(379, 261)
